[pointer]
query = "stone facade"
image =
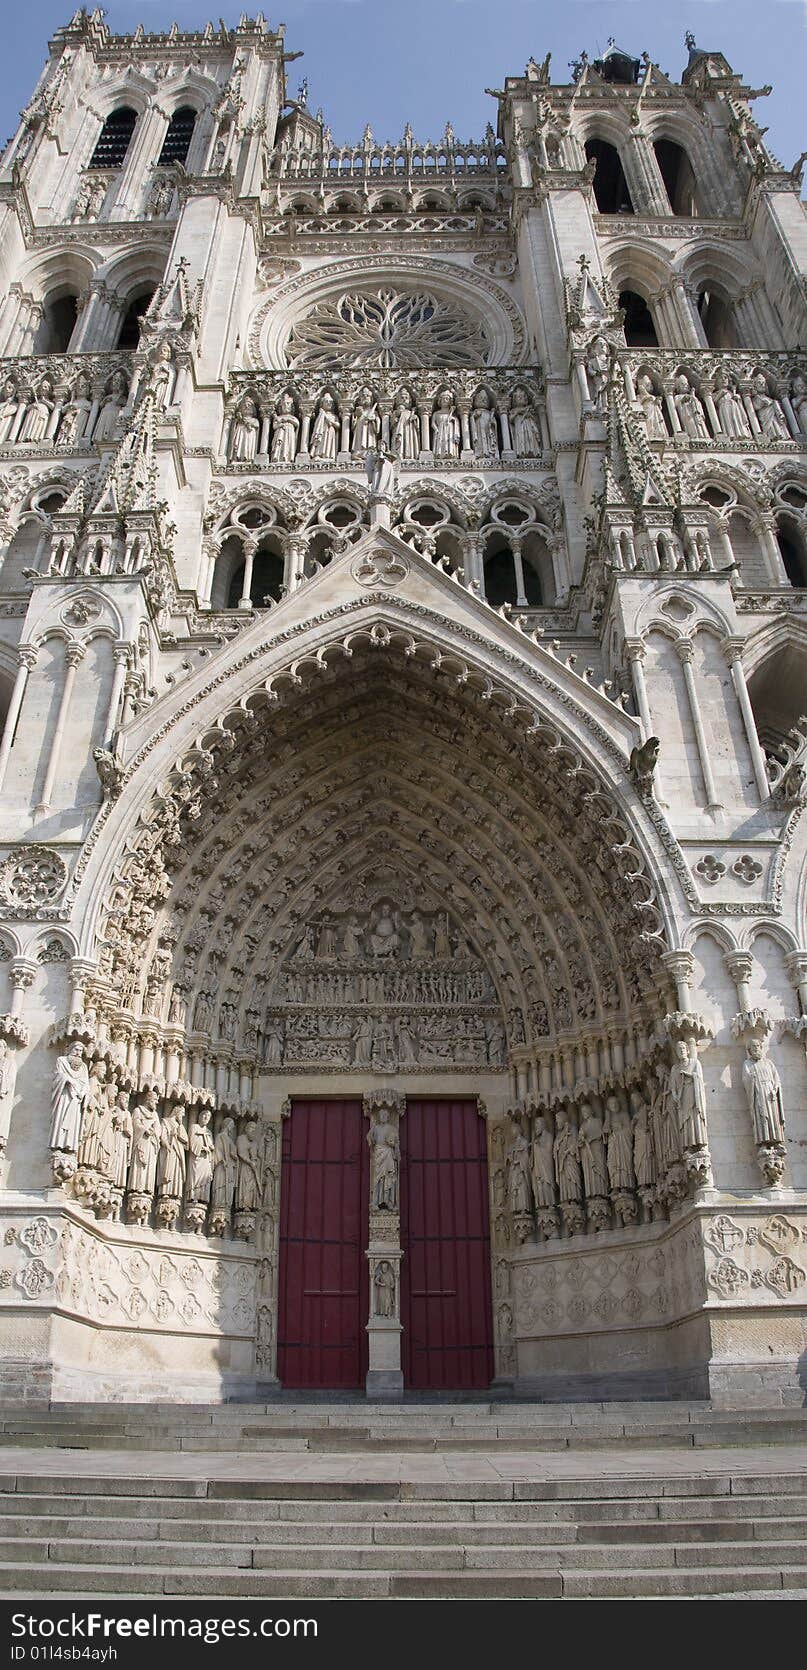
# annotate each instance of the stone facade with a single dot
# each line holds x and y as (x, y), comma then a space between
(403, 648)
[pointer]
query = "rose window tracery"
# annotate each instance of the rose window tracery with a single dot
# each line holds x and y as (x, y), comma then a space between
(387, 328)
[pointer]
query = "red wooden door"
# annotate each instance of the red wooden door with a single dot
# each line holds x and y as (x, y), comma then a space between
(323, 1281)
(445, 1235)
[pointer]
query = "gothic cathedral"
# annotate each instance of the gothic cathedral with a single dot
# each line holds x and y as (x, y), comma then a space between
(403, 674)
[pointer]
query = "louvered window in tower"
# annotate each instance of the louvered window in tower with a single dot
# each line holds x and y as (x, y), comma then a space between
(114, 139)
(178, 136)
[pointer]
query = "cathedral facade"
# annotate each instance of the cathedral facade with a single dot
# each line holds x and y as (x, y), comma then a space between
(403, 672)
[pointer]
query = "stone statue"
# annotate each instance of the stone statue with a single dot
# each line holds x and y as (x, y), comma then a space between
(122, 1133)
(644, 1159)
(770, 417)
(406, 428)
(542, 1168)
(597, 368)
(363, 1042)
(248, 1182)
(567, 1165)
(171, 1160)
(325, 433)
(442, 942)
(115, 397)
(273, 1041)
(9, 407)
(652, 409)
(225, 1170)
(162, 376)
(619, 1145)
(730, 409)
(763, 1090)
(285, 429)
(687, 1094)
(88, 1148)
(203, 1013)
(71, 1092)
(445, 427)
(591, 1149)
(798, 400)
(382, 471)
(689, 409)
(519, 1184)
(384, 936)
(384, 1289)
(75, 416)
(200, 1158)
(419, 945)
(484, 432)
(38, 413)
(366, 424)
(643, 762)
(382, 1138)
(524, 430)
(244, 431)
(145, 1145)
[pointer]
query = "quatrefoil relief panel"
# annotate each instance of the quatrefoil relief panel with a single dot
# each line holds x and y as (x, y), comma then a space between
(387, 328)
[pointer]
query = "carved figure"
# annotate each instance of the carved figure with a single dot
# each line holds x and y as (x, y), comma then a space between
(567, 1165)
(171, 1160)
(652, 409)
(200, 1158)
(366, 424)
(88, 1148)
(597, 370)
(145, 1145)
(384, 1289)
(325, 433)
(519, 1184)
(798, 400)
(363, 1042)
(524, 429)
(542, 1168)
(763, 1090)
(9, 407)
(384, 936)
(248, 1184)
(71, 1091)
(273, 1041)
(244, 431)
(591, 1149)
(285, 429)
(445, 427)
(122, 1132)
(225, 1169)
(644, 1159)
(484, 431)
(382, 468)
(382, 1139)
(687, 1093)
(770, 417)
(115, 397)
(406, 427)
(162, 376)
(690, 411)
(75, 416)
(643, 762)
(38, 413)
(730, 409)
(619, 1145)
(6, 1090)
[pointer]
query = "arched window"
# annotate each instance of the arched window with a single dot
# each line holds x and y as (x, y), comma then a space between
(717, 319)
(778, 691)
(176, 143)
(610, 186)
(676, 172)
(792, 544)
(266, 581)
(114, 139)
(640, 331)
(502, 579)
(129, 333)
(57, 324)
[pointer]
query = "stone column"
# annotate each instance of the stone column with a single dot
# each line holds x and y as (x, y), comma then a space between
(733, 650)
(384, 1110)
(685, 651)
(74, 655)
(268, 1235)
(28, 656)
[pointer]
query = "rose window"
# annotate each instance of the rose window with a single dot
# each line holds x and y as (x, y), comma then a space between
(386, 328)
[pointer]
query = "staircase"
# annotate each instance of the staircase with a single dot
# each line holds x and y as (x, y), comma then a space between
(461, 1501)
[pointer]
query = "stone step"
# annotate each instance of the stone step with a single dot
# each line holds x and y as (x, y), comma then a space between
(655, 1490)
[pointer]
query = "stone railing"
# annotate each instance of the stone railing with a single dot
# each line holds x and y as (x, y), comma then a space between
(406, 163)
(445, 417)
(62, 400)
(337, 223)
(733, 397)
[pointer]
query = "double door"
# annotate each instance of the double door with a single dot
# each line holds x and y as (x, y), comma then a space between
(445, 1273)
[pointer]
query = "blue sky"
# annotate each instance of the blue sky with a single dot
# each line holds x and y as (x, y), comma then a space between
(387, 62)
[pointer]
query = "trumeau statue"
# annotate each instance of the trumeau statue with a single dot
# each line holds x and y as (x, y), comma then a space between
(382, 1138)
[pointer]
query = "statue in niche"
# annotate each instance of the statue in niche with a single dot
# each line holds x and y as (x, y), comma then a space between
(542, 1167)
(687, 1093)
(105, 1140)
(171, 1160)
(362, 1042)
(445, 427)
(730, 409)
(770, 417)
(644, 1159)
(244, 431)
(565, 1154)
(384, 936)
(495, 1047)
(285, 429)
(351, 940)
(384, 1289)
(325, 433)
(652, 408)
(798, 400)
(270, 1173)
(116, 395)
(591, 1148)
(366, 424)
(74, 418)
(225, 1167)
(690, 411)
(419, 940)
(38, 413)
(407, 1046)
(273, 1042)
(200, 1159)
(122, 1134)
(178, 1007)
(519, 1184)
(382, 1139)
(406, 428)
(524, 430)
(248, 1183)
(9, 407)
(71, 1091)
(328, 945)
(381, 468)
(763, 1091)
(597, 371)
(307, 948)
(484, 431)
(162, 375)
(619, 1145)
(203, 1013)
(145, 1145)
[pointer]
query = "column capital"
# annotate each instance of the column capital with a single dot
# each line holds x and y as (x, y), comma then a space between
(635, 649)
(685, 650)
(75, 653)
(732, 649)
(739, 964)
(796, 966)
(29, 655)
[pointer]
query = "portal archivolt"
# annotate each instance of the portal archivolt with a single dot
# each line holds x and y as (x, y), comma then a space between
(380, 841)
